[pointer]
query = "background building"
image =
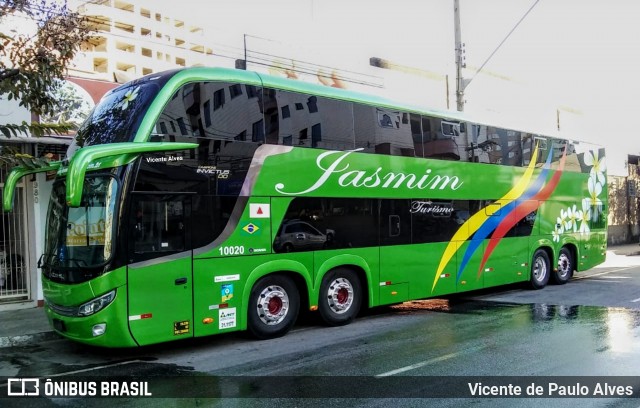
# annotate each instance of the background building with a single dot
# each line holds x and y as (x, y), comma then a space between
(624, 204)
(137, 38)
(131, 40)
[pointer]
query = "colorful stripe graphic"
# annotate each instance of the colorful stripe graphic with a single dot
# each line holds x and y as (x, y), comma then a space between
(476, 221)
(522, 211)
(493, 221)
(526, 196)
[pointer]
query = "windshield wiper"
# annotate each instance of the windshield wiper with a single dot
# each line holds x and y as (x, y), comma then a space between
(46, 260)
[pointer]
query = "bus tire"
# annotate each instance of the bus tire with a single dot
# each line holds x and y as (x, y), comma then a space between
(340, 297)
(540, 269)
(274, 304)
(564, 271)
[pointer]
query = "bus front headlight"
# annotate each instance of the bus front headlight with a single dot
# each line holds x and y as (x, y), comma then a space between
(97, 304)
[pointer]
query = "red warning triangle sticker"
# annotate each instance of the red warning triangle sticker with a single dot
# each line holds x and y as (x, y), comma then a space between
(259, 210)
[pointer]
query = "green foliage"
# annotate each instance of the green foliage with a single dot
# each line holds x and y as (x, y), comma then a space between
(32, 64)
(36, 129)
(11, 157)
(72, 107)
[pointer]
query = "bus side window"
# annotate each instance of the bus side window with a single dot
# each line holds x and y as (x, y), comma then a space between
(160, 227)
(436, 221)
(328, 223)
(385, 131)
(302, 120)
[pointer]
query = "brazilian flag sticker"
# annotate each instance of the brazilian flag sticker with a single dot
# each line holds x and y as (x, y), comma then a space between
(252, 228)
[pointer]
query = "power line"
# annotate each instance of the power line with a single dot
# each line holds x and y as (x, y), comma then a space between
(310, 68)
(502, 42)
(310, 63)
(233, 53)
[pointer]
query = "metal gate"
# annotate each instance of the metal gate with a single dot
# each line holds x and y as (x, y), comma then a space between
(14, 276)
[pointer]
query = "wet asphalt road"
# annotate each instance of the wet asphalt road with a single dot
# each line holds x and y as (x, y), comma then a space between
(590, 327)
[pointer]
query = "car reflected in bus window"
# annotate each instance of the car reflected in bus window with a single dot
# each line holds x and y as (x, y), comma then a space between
(296, 235)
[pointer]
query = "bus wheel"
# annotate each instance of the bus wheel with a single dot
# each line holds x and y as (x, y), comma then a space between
(565, 267)
(540, 268)
(340, 297)
(273, 307)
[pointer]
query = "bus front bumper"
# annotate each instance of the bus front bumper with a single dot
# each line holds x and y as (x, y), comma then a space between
(106, 328)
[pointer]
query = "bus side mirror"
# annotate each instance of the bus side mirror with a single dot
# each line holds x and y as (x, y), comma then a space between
(14, 177)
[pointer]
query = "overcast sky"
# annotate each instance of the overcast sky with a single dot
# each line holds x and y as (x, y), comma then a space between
(578, 56)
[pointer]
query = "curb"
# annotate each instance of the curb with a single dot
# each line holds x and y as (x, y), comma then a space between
(625, 253)
(27, 339)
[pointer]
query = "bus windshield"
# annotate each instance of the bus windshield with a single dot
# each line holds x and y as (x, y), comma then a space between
(80, 238)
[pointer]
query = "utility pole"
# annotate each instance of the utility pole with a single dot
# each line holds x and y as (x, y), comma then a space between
(461, 63)
(460, 57)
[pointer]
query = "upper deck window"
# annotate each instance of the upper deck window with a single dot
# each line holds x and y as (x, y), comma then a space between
(118, 115)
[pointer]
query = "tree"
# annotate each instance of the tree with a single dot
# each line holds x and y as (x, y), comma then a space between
(74, 106)
(32, 65)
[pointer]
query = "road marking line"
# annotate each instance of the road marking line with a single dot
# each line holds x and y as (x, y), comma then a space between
(603, 273)
(602, 281)
(418, 365)
(84, 370)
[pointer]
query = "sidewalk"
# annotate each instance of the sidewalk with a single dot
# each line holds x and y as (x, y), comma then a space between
(621, 256)
(24, 326)
(626, 249)
(30, 326)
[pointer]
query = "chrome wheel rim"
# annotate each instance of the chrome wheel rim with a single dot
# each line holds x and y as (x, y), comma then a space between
(273, 305)
(340, 295)
(539, 269)
(564, 265)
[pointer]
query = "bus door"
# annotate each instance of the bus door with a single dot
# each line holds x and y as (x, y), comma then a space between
(160, 273)
(471, 271)
(397, 259)
(510, 259)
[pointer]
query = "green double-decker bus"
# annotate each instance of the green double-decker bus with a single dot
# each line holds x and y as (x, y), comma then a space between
(206, 200)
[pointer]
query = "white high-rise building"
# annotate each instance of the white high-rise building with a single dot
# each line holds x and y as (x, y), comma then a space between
(138, 38)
